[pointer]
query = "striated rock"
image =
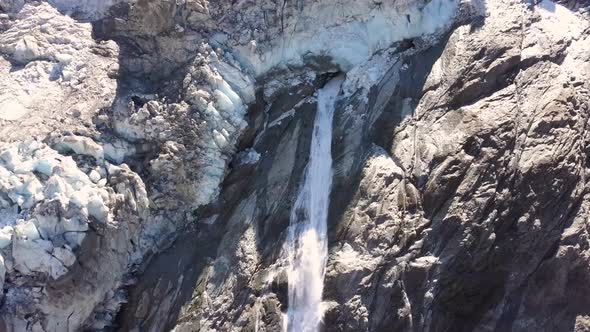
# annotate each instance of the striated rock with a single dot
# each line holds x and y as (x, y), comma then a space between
(489, 198)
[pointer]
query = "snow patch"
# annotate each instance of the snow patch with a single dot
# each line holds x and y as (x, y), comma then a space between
(559, 21)
(282, 117)
(248, 157)
(348, 260)
(12, 110)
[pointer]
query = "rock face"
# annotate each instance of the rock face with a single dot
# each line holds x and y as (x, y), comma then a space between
(151, 152)
(467, 210)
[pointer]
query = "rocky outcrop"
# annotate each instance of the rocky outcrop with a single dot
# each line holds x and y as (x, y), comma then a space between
(465, 203)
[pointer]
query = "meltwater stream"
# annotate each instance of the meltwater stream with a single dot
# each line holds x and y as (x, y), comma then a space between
(307, 239)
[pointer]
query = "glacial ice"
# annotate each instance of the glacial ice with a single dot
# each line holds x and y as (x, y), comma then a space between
(12, 110)
(80, 145)
(88, 9)
(34, 176)
(348, 33)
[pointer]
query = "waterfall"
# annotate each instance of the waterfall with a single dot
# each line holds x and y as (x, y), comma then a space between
(307, 238)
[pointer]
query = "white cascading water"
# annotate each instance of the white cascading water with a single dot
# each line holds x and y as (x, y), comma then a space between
(307, 239)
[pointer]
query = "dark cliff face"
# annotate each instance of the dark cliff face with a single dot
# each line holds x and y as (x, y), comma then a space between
(469, 213)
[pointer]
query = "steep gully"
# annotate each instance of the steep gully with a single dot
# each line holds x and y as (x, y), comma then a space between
(181, 271)
(307, 245)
